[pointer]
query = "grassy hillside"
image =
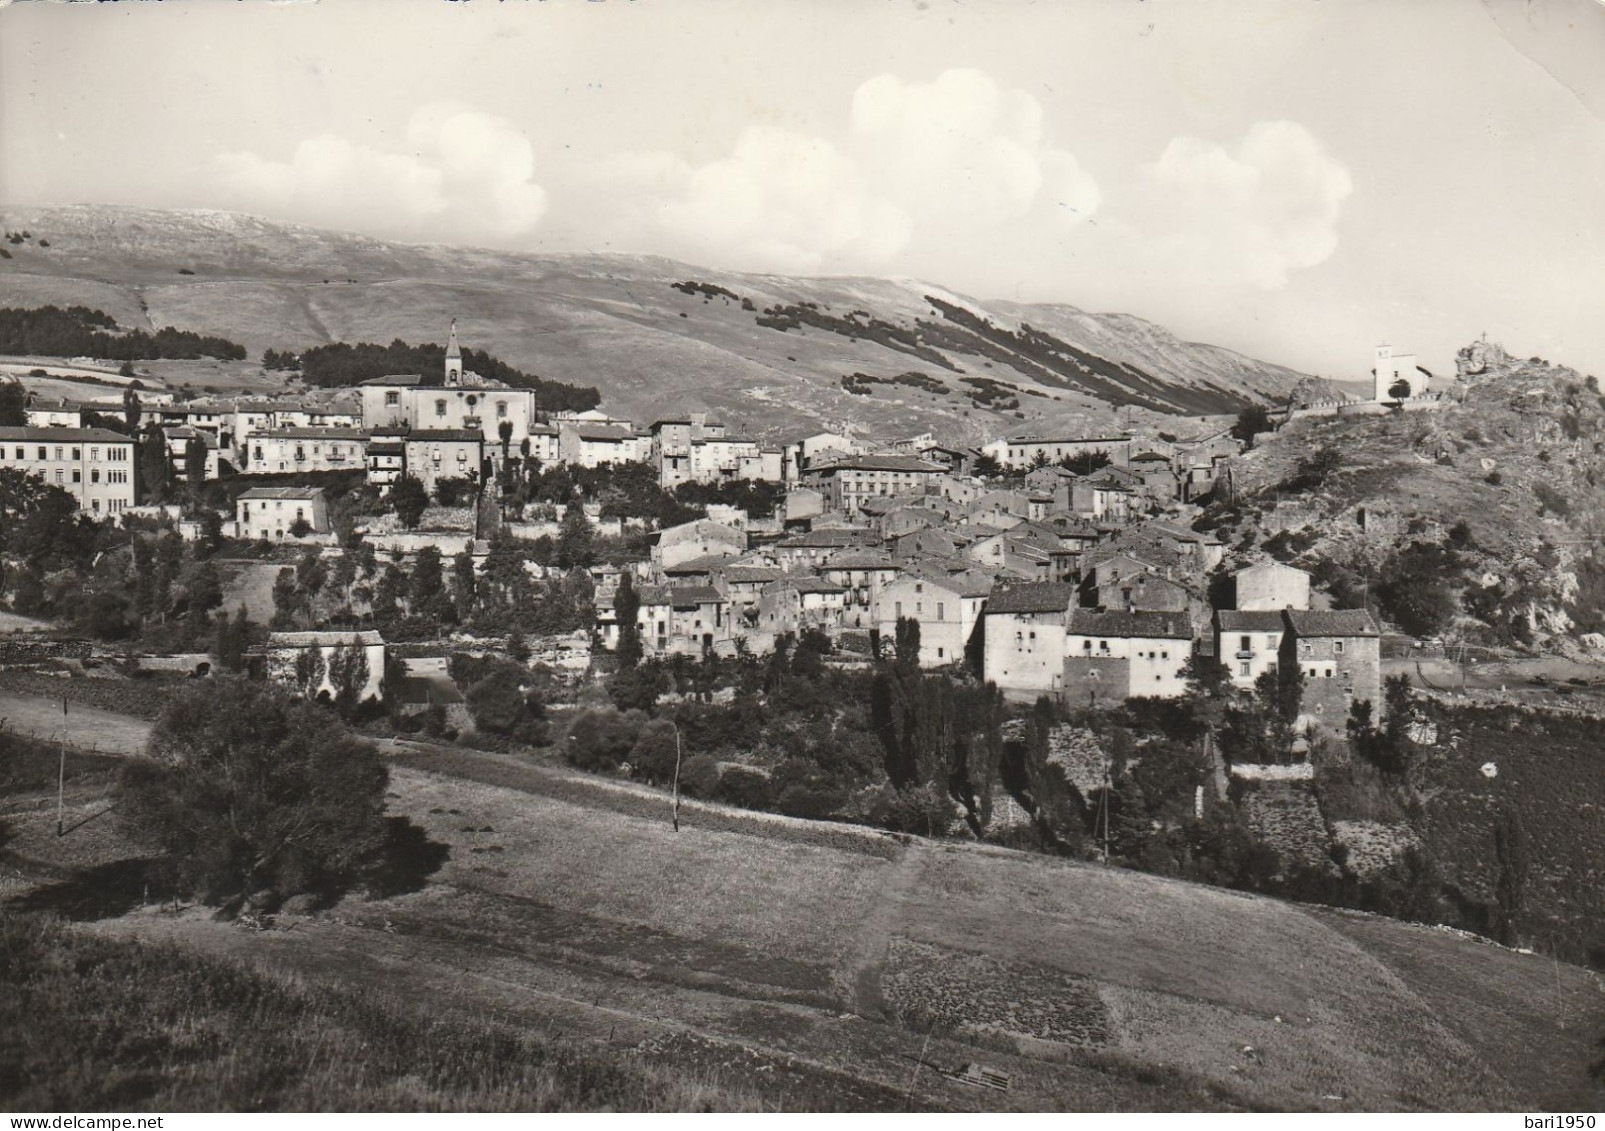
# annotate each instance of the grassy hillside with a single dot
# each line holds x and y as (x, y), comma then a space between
(620, 323)
(812, 965)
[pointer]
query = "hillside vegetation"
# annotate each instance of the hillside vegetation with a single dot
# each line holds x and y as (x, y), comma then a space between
(547, 902)
(657, 338)
(1482, 519)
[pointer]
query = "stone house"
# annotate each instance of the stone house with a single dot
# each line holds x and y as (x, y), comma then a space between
(797, 602)
(1339, 653)
(1024, 642)
(698, 538)
(1113, 656)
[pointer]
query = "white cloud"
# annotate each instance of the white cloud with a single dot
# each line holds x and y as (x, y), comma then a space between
(1253, 215)
(468, 175)
(953, 161)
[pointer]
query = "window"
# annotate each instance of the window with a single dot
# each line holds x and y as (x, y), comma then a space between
(59, 450)
(1242, 668)
(392, 399)
(941, 610)
(43, 454)
(94, 475)
(1337, 647)
(77, 453)
(1086, 645)
(77, 476)
(1245, 643)
(440, 408)
(58, 475)
(501, 410)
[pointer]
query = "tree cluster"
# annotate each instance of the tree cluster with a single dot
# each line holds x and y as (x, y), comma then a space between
(341, 364)
(78, 331)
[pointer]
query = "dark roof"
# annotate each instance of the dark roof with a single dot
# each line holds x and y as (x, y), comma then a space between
(1089, 622)
(1043, 597)
(281, 493)
(878, 463)
(807, 584)
(1250, 620)
(859, 559)
(385, 448)
(841, 536)
(312, 433)
(748, 575)
(1336, 622)
(70, 435)
(679, 596)
(396, 379)
(602, 432)
(703, 564)
(445, 436)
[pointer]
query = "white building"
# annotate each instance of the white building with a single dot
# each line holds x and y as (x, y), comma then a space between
(270, 513)
(949, 611)
(1397, 376)
(93, 465)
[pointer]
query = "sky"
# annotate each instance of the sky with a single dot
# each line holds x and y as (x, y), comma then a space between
(1297, 179)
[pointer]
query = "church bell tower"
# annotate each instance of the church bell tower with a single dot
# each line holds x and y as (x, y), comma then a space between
(454, 358)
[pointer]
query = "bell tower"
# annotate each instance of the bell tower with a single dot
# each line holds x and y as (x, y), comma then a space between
(454, 358)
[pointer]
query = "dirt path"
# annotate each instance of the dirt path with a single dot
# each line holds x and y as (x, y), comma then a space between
(86, 727)
(861, 974)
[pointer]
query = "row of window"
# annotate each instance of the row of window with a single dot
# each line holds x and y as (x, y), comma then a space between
(114, 455)
(112, 476)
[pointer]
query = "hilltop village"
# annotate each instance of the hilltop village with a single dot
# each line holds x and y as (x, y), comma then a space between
(1148, 643)
(1060, 565)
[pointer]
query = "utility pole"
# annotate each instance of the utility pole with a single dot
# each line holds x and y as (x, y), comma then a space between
(61, 773)
(676, 810)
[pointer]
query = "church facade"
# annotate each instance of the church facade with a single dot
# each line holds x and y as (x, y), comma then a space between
(462, 402)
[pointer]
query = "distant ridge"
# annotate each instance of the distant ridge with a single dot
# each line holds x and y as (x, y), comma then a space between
(767, 352)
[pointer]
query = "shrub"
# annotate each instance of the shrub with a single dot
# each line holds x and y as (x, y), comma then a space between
(802, 789)
(244, 789)
(602, 739)
(745, 787)
(922, 809)
(699, 776)
(652, 758)
(501, 703)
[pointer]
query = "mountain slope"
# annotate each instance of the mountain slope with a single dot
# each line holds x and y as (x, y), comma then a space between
(768, 353)
(1507, 474)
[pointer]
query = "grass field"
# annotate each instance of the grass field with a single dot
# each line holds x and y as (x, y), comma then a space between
(798, 965)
